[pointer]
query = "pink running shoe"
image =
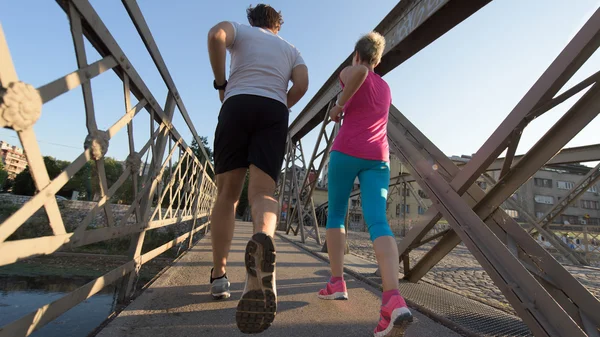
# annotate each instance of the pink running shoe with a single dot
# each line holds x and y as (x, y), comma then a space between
(394, 318)
(334, 291)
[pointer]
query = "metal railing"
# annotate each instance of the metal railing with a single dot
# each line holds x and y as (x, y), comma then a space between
(167, 194)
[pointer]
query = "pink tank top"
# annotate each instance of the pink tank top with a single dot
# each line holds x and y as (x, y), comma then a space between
(363, 133)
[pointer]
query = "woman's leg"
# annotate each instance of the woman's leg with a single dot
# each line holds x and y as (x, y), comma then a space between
(342, 173)
(394, 314)
(374, 183)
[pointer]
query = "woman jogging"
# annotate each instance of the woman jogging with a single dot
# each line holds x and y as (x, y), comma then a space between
(361, 150)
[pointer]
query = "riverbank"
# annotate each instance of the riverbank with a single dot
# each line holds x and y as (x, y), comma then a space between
(89, 266)
(29, 284)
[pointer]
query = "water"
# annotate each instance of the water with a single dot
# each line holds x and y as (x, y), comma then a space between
(21, 295)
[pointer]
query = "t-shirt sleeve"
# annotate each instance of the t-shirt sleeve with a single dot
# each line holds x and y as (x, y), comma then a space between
(299, 59)
(236, 29)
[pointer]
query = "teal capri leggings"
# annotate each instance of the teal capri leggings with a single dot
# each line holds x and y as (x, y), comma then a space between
(374, 178)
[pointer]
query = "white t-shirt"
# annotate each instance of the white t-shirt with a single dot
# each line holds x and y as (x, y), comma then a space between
(261, 63)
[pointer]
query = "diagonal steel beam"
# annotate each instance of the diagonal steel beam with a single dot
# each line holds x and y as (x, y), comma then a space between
(583, 112)
(535, 306)
(135, 13)
(582, 186)
(35, 161)
(531, 253)
(558, 244)
(580, 48)
(409, 27)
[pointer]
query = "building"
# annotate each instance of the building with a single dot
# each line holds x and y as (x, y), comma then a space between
(300, 173)
(550, 185)
(13, 158)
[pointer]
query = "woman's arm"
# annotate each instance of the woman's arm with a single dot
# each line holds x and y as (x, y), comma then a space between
(352, 77)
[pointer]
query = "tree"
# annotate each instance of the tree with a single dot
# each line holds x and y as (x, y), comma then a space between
(243, 203)
(113, 171)
(124, 194)
(198, 153)
(8, 184)
(196, 149)
(24, 184)
(3, 175)
(82, 182)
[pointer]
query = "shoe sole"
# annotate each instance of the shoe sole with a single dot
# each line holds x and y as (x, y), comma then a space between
(402, 320)
(339, 296)
(221, 296)
(257, 308)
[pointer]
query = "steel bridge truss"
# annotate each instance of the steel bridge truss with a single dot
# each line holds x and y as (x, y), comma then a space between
(187, 188)
(544, 294)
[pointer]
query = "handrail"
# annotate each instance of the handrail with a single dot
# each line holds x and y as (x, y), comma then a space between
(185, 193)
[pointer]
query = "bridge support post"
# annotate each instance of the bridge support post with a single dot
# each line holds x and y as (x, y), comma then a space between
(137, 241)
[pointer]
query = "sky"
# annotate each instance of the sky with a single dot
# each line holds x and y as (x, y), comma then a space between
(457, 90)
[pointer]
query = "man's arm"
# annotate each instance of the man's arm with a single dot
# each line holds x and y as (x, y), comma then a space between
(300, 85)
(220, 37)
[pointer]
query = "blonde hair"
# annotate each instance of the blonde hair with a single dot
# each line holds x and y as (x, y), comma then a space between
(370, 47)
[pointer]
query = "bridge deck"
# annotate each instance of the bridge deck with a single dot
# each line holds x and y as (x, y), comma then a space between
(179, 303)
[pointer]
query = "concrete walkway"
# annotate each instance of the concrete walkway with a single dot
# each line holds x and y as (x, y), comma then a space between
(178, 304)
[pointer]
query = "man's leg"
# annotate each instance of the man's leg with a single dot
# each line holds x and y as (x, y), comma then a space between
(258, 305)
(231, 165)
(229, 188)
(261, 189)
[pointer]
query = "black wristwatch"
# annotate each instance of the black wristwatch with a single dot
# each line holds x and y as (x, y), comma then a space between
(219, 87)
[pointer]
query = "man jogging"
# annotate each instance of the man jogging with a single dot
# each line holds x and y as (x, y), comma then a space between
(251, 134)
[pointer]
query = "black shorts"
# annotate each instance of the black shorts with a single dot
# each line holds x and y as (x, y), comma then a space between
(251, 130)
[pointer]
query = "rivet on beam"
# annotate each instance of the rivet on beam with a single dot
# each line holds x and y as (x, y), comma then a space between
(20, 106)
(134, 162)
(97, 142)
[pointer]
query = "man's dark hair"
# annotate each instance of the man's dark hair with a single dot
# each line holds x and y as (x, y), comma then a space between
(264, 16)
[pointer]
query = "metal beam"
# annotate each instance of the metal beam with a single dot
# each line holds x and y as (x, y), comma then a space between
(409, 27)
(580, 154)
(534, 305)
(558, 244)
(135, 13)
(531, 253)
(564, 130)
(579, 49)
(582, 186)
(105, 44)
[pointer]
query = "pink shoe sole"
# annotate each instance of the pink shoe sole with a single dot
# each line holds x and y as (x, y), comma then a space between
(334, 296)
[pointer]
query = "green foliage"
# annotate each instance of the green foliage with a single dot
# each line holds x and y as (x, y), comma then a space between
(243, 203)
(24, 185)
(113, 171)
(86, 181)
(3, 174)
(198, 152)
(8, 184)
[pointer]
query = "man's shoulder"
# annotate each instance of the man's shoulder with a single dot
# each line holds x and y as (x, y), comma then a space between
(291, 45)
